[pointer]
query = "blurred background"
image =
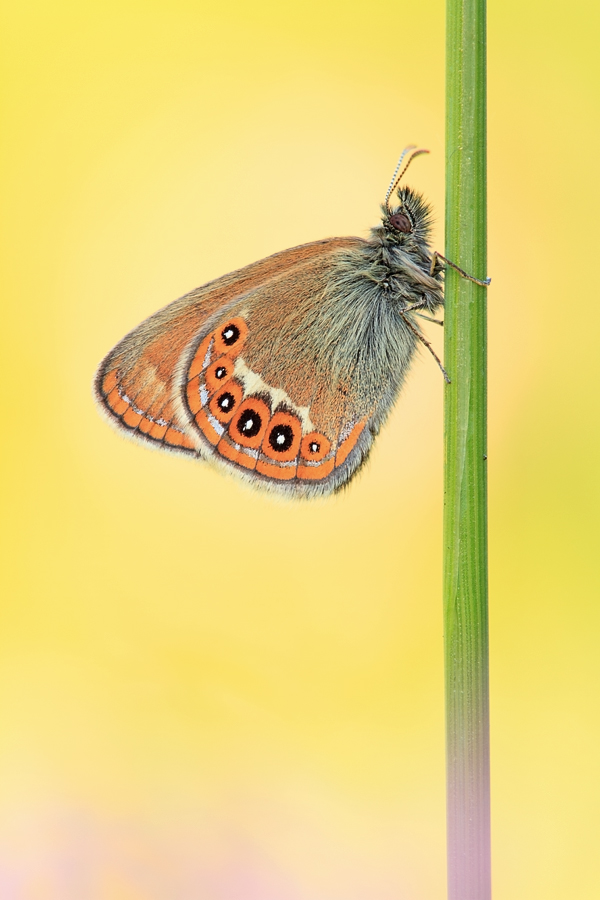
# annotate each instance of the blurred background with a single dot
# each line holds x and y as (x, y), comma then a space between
(206, 693)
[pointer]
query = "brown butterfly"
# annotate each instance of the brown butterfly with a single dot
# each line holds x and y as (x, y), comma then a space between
(284, 371)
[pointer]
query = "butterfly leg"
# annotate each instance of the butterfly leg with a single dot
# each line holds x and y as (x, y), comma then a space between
(415, 306)
(429, 319)
(424, 340)
(460, 271)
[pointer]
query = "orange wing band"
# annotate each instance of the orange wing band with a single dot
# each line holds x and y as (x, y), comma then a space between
(131, 418)
(206, 427)
(193, 395)
(348, 444)
(177, 438)
(145, 425)
(316, 473)
(109, 382)
(281, 473)
(197, 363)
(227, 450)
(116, 402)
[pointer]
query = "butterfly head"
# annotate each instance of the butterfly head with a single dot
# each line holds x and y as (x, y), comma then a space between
(409, 222)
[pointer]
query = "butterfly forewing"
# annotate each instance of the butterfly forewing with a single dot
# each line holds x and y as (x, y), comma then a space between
(135, 383)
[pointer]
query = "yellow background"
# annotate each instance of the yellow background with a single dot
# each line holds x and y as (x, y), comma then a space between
(209, 695)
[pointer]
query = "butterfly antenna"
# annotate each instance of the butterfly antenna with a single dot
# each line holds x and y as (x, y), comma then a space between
(395, 181)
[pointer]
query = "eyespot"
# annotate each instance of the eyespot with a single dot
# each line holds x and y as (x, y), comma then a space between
(225, 401)
(250, 422)
(401, 222)
(218, 373)
(230, 334)
(315, 446)
(230, 337)
(282, 438)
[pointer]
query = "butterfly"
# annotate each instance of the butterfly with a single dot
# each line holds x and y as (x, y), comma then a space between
(283, 372)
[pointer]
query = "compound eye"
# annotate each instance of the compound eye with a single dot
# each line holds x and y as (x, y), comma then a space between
(401, 223)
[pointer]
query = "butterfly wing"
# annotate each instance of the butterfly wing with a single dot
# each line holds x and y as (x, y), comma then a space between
(267, 390)
(135, 384)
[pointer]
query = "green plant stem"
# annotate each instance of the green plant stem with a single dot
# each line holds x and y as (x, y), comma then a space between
(465, 479)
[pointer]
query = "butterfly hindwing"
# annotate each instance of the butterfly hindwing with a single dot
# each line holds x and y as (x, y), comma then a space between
(259, 390)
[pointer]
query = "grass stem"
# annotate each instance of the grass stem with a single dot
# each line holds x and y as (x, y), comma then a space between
(465, 477)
